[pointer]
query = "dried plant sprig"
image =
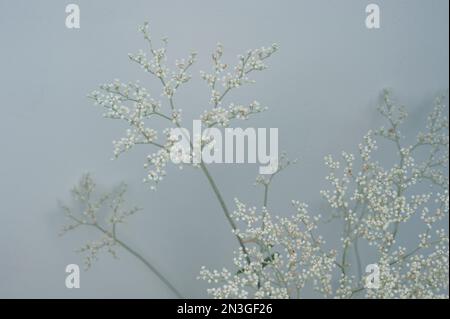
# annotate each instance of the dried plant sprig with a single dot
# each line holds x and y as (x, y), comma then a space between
(92, 206)
(252, 60)
(133, 104)
(278, 256)
(222, 117)
(285, 255)
(265, 180)
(374, 204)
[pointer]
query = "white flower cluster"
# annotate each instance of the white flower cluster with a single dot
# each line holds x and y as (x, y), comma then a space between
(156, 65)
(132, 103)
(128, 101)
(221, 117)
(285, 256)
(374, 201)
(252, 60)
(91, 205)
(375, 205)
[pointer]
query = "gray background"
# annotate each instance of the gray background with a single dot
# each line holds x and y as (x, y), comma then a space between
(322, 88)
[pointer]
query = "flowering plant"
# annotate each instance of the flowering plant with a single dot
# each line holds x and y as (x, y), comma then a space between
(373, 204)
(284, 257)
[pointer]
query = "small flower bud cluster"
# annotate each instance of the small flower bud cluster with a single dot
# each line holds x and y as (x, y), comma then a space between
(132, 103)
(285, 256)
(376, 204)
(222, 117)
(252, 60)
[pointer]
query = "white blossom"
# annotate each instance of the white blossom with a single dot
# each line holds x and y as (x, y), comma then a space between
(374, 204)
(133, 104)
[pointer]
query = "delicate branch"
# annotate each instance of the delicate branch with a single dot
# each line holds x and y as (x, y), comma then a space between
(83, 193)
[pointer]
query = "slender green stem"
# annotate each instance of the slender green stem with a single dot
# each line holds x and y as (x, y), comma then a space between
(152, 268)
(203, 167)
(266, 195)
(224, 207)
(358, 259)
(355, 291)
(344, 259)
(131, 251)
(216, 191)
(143, 260)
